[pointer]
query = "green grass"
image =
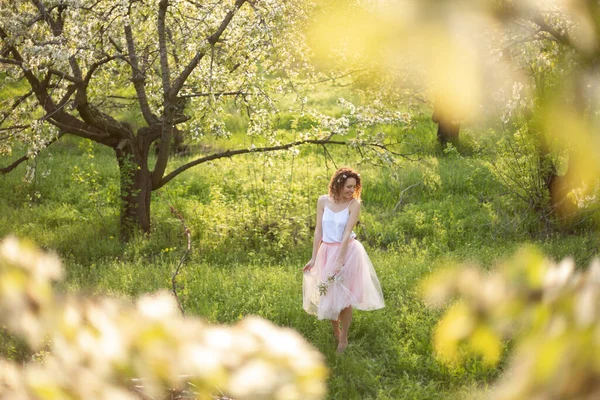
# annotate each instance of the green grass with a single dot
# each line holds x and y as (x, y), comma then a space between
(390, 355)
(251, 219)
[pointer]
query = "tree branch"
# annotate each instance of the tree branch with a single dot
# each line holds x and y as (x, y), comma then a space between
(402, 194)
(167, 127)
(55, 115)
(63, 75)
(16, 104)
(97, 65)
(162, 45)
(56, 72)
(88, 113)
(215, 36)
(188, 234)
(216, 94)
(560, 37)
(55, 26)
(230, 153)
(14, 165)
(36, 86)
(171, 92)
(69, 124)
(15, 127)
(178, 83)
(138, 78)
(9, 61)
(115, 45)
(18, 162)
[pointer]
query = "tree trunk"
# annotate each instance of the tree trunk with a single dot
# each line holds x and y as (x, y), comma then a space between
(559, 187)
(178, 146)
(136, 190)
(448, 129)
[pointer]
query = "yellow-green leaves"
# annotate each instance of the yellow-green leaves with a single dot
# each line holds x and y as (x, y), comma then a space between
(455, 326)
(550, 311)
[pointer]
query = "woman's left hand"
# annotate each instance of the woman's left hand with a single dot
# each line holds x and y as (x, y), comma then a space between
(339, 264)
(309, 265)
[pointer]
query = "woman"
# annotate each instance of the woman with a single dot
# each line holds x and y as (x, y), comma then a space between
(339, 276)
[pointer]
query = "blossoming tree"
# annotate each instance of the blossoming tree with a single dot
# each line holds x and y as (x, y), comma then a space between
(180, 62)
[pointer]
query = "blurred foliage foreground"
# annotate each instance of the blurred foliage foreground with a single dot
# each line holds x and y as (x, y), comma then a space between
(550, 311)
(96, 347)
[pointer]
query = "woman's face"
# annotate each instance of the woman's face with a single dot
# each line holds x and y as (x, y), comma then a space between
(348, 189)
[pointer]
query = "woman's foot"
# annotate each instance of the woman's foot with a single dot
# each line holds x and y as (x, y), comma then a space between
(336, 334)
(342, 346)
(335, 325)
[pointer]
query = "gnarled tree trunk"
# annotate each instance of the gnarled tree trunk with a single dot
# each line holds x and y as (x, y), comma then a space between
(136, 190)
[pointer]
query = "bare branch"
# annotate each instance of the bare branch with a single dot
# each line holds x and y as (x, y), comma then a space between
(327, 154)
(7, 169)
(188, 234)
(63, 75)
(230, 153)
(387, 149)
(402, 194)
(65, 99)
(70, 124)
(217, 94)
(333, 78)
(114, 96)
(24, 158)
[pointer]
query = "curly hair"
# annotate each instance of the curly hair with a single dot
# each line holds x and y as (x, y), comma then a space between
(338, 180)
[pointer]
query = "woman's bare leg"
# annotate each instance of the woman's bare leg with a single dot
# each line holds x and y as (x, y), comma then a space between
(336, 329)
(345, 321)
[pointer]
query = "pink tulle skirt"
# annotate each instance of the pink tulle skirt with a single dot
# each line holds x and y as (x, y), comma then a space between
(356, 285)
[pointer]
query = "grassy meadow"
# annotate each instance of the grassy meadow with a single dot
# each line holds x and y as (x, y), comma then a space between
(252, 217)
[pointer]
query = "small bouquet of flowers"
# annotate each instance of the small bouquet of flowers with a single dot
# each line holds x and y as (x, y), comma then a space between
(324, 286)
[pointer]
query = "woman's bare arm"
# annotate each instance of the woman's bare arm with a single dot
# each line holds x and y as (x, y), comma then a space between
(318, 232)
(354, 209)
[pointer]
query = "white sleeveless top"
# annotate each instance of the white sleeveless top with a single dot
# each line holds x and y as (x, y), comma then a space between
(334, 224)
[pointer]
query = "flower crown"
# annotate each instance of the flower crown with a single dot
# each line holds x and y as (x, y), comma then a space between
(344, 176)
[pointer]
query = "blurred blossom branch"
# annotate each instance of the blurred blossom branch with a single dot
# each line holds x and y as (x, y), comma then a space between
(550, 311)
(96, 346)
(531, 64)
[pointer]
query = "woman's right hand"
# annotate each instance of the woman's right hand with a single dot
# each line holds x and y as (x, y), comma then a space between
(308, 265)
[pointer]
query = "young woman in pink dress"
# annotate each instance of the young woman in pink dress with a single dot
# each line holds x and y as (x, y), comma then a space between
(339, 276)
